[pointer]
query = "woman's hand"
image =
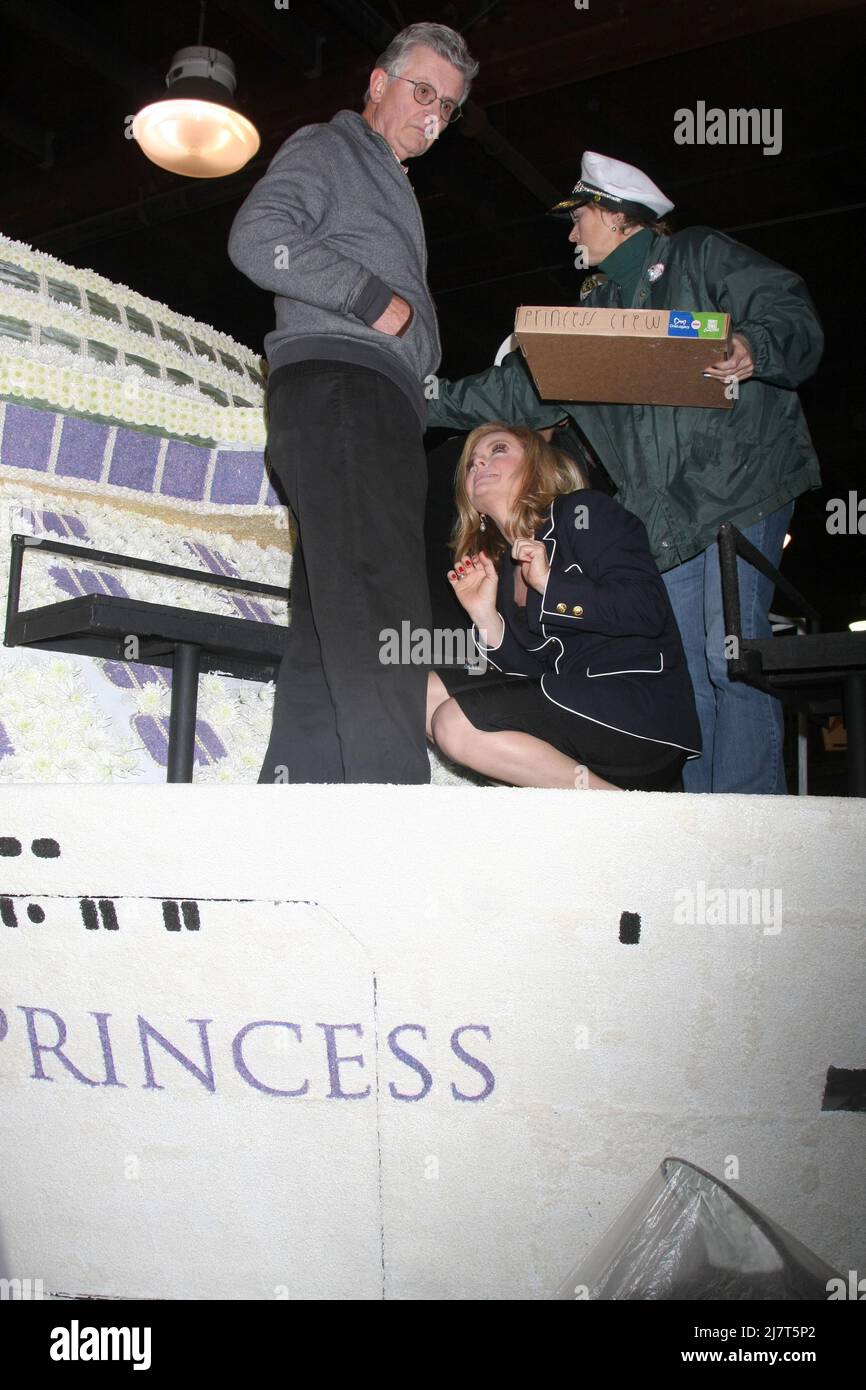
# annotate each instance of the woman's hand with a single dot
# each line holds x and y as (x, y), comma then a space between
(531, 555)
(739, 365)
(475, 582)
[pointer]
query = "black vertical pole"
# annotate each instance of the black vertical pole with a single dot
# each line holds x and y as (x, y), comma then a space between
(855, 727)
(181, 726)
(13, 591)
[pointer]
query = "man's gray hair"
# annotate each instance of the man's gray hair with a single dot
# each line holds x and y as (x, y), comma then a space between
(445, 42)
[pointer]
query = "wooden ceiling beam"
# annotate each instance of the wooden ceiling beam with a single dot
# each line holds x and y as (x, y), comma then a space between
(518, 58)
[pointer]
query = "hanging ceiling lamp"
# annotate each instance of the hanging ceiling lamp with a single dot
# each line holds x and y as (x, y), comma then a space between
(196, 129)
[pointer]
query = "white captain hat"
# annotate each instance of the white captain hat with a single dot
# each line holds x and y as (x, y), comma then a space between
(611, 184)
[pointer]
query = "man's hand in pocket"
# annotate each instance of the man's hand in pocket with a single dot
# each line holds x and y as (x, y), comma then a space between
(396, 318)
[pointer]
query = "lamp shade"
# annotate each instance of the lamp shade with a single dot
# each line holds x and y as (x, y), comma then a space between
(196, 129)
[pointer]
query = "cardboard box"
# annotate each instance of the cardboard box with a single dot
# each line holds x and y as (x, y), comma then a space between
(641, 356)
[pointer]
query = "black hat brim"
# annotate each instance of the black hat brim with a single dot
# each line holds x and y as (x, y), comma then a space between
(640, 211)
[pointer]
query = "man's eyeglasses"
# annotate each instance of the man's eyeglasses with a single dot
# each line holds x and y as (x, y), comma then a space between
(425, 95)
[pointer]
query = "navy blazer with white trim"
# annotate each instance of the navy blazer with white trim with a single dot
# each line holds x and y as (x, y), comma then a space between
(602, 638)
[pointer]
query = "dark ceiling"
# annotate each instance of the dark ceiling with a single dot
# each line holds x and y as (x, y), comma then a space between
(555, 79)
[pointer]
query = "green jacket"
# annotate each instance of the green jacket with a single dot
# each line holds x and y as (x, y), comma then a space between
(685, 469)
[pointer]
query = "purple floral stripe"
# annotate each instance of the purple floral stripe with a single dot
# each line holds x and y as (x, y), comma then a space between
(226, 565)
(215, 562)
(261, 613)
(65, 525)
(237, 476)
(132, 675)
(153, 733)
(208, 748)
(113, 585)
(6, 746)
(65, 580)
(218, 564)
(254, 612)
(92, 583)
(78, 582)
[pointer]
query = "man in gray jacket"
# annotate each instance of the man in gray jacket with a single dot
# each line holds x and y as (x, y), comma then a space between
(334, 230)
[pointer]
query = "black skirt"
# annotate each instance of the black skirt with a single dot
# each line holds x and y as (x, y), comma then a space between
(495, 703)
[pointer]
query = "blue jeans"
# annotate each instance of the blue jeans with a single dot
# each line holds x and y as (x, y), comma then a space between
(741, 727)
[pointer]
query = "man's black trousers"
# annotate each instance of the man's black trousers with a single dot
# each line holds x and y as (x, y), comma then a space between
(346, 445)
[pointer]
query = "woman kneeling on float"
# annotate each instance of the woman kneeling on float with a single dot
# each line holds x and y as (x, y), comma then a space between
(569, 609)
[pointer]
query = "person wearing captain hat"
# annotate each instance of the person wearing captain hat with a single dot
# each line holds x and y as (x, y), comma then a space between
(685, 470)
(619, 187)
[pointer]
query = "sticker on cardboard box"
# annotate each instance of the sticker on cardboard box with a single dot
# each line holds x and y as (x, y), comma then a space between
(683, 323)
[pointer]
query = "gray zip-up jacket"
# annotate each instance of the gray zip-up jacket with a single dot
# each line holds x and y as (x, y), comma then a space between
(333, 228)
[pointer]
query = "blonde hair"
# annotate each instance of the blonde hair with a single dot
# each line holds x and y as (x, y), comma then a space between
(548, 472)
